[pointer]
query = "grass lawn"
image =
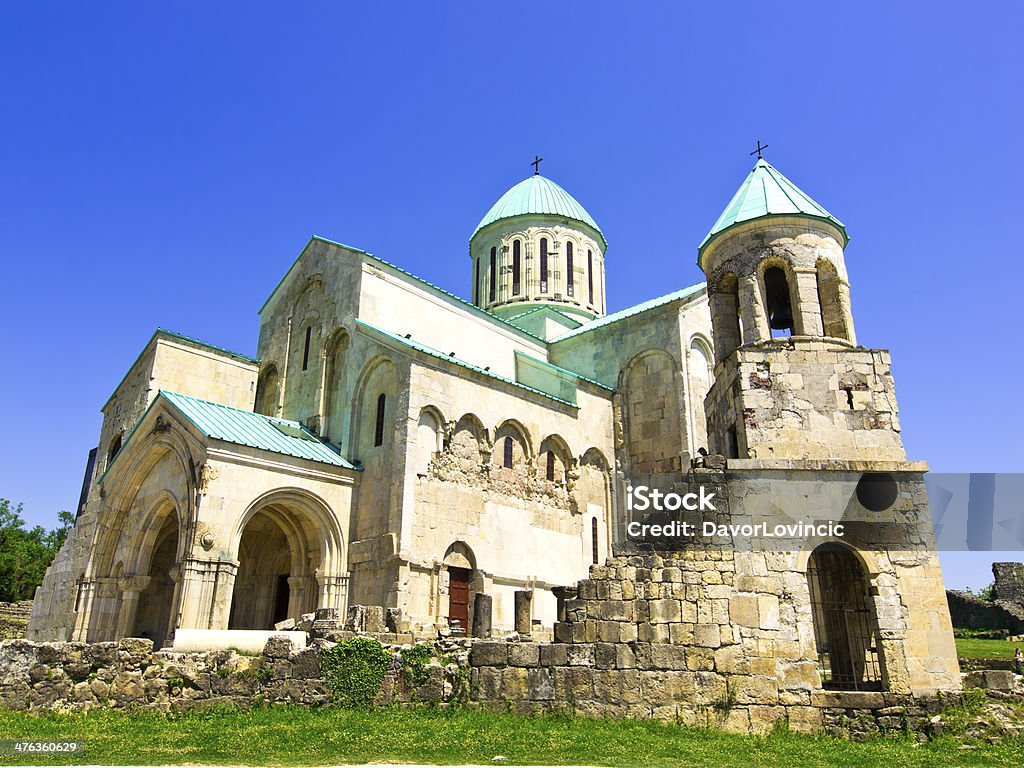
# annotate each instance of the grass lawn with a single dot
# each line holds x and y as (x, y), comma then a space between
(294, 736)
(973, 648)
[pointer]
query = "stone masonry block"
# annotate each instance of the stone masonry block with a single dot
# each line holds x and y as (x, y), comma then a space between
(488, 654)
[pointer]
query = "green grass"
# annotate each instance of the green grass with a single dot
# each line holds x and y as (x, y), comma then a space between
(289, 735)
(973, 648)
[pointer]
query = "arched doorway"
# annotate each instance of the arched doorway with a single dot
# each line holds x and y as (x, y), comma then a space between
(290, 561)
(845, 629)
(460, 564)
(156, 600)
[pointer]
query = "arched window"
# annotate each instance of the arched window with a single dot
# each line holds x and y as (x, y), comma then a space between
(494, 273)
(845, 630)
(543, 265)
(115, 447)
(780, 309)
(268, 392)
(507, 462)
(570, 284)
(516, 267)
(305, 350)
(593, 541)
(549, 472)
(378, 431)
(590, 277)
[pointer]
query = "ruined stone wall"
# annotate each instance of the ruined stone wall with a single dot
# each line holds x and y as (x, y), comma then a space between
(14, 619)
(1009, 583)
(971, 612)
(585, 680)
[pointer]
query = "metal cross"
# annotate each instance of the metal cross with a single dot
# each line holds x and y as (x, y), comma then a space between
(536, 164)
(759, 149)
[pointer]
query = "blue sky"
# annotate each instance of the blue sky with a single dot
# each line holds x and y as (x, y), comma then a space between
(163, 164)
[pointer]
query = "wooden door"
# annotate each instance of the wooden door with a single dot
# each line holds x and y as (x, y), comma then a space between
(458, 597)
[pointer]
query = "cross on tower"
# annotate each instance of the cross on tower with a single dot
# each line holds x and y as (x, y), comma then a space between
(759, 149)
(536, 164)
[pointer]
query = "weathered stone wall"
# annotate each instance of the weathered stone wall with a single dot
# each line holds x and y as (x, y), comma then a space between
(586, 679)
(129, 673)
(14, 619)
(806, 399)
(971, 612)
(1009, 582)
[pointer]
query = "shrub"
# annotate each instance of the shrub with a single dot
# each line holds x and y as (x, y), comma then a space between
(354, 670)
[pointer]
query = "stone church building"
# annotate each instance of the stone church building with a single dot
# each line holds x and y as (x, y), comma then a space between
(394, 444)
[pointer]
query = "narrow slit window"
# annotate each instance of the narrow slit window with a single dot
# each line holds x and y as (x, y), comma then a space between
(494, 273)
(508, 453)
(595, 558)
(551, 466)
(543, 265)
(305, 351)
(476, 281)
(378, 431)
(570, 287)
(516, 267)
(733, 444)
(590, 277)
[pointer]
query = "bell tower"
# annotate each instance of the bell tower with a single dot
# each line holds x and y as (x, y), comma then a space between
(790, 380)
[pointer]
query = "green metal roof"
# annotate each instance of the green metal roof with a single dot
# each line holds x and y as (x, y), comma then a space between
(233, 425)
(636, 309)
(766, 192)
(539, 195)
(415, 345)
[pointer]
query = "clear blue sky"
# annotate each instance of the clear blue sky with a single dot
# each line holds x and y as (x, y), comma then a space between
(163, 164)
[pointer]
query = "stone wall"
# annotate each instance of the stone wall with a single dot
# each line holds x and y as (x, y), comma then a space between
(1009, 583)
(596, 680)
(14, 619)
(971, 612)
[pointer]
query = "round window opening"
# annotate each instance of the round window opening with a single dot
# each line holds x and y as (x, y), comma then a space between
(877, 491)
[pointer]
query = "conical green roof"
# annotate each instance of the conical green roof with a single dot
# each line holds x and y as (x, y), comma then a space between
(539, 195)
(766, 192)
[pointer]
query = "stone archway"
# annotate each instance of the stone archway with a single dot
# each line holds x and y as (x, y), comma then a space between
(845, 626)
(290, 557)
(156, 589)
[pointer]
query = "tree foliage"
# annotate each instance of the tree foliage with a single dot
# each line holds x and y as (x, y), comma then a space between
(25, 554)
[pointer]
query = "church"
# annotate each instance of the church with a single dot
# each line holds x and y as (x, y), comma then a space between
(395, 445)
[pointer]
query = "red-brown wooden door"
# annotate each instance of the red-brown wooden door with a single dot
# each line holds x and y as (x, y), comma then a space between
(458, 596)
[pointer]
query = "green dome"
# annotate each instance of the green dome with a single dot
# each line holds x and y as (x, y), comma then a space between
(766, 192)
(540, 196)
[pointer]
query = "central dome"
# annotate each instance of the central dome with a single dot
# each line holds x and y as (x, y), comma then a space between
(539, 195)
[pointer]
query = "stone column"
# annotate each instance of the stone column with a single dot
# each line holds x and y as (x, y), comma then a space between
(131, 588)
(334, 593)
(482, 615)
(807, 312)
(846, 311)
(83, 610)
(523, 601)
(206, 592)
(296, 596)
(725, 324)
(561, 595)
(755, 320)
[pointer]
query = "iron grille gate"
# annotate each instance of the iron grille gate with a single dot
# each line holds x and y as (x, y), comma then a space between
(844, 627)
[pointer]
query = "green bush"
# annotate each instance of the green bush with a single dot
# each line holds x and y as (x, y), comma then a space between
(354, 670)
(414, 664)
